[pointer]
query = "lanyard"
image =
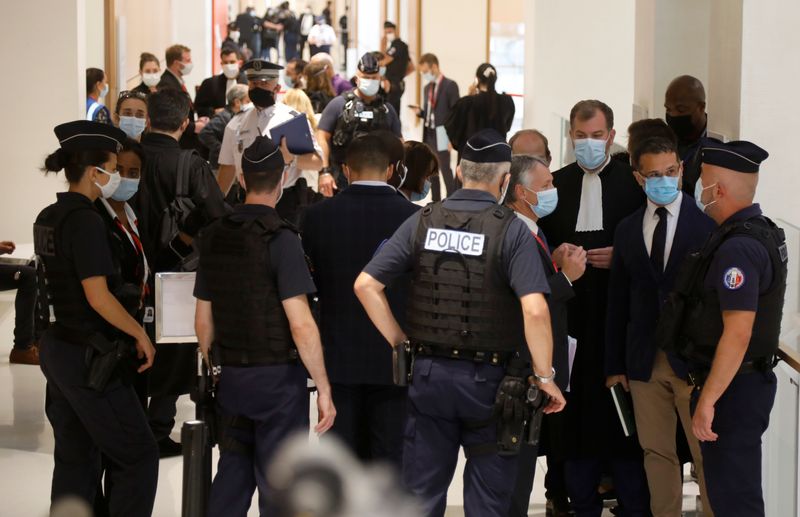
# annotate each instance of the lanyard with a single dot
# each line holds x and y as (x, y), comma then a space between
(432, 95)
(137, 244)
(547, 251)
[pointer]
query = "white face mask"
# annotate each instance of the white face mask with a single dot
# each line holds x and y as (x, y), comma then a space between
(104, 91)
(234, 35)
(111, 186)
(248, 106)
(151, 80)
(231, 70)
(187, 68)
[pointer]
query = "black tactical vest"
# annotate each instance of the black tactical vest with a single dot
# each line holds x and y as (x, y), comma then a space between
(61, 297)
(247, 310)
(691, 320)
(358, 118)
(460, 293)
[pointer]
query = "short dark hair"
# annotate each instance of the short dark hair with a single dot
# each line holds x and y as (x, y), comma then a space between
(392, 144)
(367, 153)
(229, 49)
(93, 76)
(147, 57)
(167, 109)
(175, 53)
(429, 59)
(299, 64)
(129, 145)
(74, 163)
(265, 181)
(648, 128)
(652, 145)
(584, 110)
(389, 25)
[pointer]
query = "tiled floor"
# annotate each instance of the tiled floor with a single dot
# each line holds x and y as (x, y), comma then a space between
(26, 444)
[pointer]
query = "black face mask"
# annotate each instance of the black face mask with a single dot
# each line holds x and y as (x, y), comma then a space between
(682, 126)
(262, 98)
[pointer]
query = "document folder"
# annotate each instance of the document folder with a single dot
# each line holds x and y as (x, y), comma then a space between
(297, 133)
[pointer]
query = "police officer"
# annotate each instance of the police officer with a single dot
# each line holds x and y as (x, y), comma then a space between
(88, 326)
(477, 296)
(254, 319)
(733, 292)
(353, 113)
(262, 79)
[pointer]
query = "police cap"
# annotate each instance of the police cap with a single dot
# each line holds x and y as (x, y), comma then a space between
(486, 146)
(261, 70)
(739, 155)
(85, 135)
(262, 156)
(368, 64)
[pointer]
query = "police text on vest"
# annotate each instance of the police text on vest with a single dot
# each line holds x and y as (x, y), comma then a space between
(453, 241)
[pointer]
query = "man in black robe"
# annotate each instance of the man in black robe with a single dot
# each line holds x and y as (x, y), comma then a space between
(595, 193)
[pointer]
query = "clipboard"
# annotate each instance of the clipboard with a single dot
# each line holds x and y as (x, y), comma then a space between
(623, 405)
(297, 133)
(174, 306)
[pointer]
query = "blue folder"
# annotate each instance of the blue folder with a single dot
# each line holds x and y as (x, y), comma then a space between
(297, 133)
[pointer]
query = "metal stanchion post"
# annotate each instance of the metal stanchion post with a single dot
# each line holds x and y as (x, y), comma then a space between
(196, 454)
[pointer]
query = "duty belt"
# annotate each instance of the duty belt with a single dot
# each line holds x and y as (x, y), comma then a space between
(765, 365)
(478, 356)
(234, 357)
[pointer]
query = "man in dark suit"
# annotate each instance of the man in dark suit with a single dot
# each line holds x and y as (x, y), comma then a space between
(340, 236)
(210, 98)
(595, 193)
(531, 195)
(438, 98)
(649, 246)
(179, 64)
(685, 102)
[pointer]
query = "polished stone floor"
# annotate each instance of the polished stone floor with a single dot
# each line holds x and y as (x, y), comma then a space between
(26, 444)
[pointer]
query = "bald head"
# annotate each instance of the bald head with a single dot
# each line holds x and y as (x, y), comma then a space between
(531, 142)
(729, 190)
(685, 102)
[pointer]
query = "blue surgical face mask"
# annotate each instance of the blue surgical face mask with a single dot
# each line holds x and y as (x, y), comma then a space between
(369, 87)
(547, 201)
(132, 126)
(428, 77)
(289, 82)
(662, 190)
(698, 193)
(104, 91)
(382, 71)
(127, 188)
(419, 196)
(590, 153)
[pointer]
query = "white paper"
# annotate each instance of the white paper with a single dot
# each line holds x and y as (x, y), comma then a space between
(572, 344)
(175, 307)
(22, 255)
(442, 140)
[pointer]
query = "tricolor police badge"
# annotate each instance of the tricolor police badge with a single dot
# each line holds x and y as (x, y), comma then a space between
(733, 278)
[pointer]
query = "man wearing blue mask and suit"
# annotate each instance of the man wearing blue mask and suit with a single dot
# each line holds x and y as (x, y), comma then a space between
(595, 194)
(532, 196)
(340, 236)
(650, 246)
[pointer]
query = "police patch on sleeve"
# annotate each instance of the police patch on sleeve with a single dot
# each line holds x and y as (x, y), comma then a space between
(452, 241)
(733, 278)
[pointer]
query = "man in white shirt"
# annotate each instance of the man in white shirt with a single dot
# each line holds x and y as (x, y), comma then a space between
(321, 37)
(262, 78)
(649, 247)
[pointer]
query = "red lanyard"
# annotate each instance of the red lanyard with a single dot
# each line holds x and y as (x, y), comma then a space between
(432, 93)
(137, 244)
(544, 247)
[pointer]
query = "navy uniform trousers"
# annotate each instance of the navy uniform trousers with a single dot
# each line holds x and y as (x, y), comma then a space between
(445, 395)
(87, 422)
(275, 398)
(733, 462)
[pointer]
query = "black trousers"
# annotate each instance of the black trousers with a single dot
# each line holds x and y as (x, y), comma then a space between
(451, 183)
(23, 279)
(87, 423)
(370, 419)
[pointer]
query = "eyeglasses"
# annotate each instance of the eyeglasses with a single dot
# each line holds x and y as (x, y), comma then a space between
(131, 94)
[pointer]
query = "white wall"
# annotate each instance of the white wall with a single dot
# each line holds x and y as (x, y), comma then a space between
(725, 66)
(192, 21)
(570, 58)
(55, 94)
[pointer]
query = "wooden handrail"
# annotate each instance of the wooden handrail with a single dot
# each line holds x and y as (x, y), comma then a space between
(789, 356)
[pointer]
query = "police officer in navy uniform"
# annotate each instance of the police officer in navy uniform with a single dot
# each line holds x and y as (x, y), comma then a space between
(477, 296)
(349, 115)
(253, 318)
(732, 292)
(82, 304)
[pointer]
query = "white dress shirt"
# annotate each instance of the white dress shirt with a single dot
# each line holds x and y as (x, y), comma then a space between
(530, 223)
(650, 222)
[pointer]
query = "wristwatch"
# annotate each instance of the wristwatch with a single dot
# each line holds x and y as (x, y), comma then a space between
(325, 170)
(545, 380)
